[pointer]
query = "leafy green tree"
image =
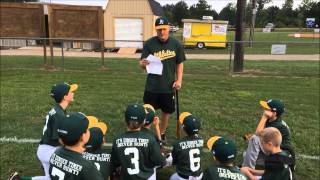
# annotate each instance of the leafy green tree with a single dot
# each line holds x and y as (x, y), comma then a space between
(168, 13)
(202, 8)
(228, 13)
(180, 11)
(261, 3)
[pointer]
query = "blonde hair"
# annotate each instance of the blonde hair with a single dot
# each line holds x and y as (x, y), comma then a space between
(272, 135)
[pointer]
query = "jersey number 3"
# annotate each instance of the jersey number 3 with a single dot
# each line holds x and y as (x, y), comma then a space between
(134, 160)
(194, 161)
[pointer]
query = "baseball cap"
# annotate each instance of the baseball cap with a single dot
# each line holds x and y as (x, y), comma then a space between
(73, 126)
(58, 91)
(97, 132)
(223, 149)
(190, 123)
(135, 112)
(161, 23)
(273, 105)
(150, 113)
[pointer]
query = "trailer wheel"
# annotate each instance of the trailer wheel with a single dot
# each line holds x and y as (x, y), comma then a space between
(200, 45)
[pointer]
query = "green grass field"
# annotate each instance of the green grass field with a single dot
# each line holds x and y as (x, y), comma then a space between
(294, 47)
(227, 105)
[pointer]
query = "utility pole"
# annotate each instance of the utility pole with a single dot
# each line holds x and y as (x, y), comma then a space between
(253, 21)
(239, 46)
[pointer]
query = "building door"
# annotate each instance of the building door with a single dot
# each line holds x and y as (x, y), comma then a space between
(128, 29)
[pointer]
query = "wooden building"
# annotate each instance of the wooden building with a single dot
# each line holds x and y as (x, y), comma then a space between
(130, 20)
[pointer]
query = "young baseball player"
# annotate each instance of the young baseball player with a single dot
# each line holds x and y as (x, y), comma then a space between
(67, 162)
(224, 153)
(277, 162)
(136, 152)
(151, 118)
(63, 94)
(94, 151)
(272, 117)
(186, 153)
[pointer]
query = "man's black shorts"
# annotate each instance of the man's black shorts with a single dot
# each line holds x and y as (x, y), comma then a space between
(159, 100)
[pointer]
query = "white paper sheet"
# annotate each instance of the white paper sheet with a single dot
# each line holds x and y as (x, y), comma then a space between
(155, 65)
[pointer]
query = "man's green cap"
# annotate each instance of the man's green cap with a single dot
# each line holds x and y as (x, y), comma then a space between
(58, 91)
(161, 23)
(273, 105)
(72, 126)
(135, 112)
(223, 149)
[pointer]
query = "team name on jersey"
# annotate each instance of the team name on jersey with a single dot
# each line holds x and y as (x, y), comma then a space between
(191, 144)
(137, 142)
(103, 157)
(65, 165)
(226, 173)
(165, 54)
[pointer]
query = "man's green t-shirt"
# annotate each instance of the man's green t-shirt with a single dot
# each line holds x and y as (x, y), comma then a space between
(137, 153)
(101, 159)
(220, 172)
(50, 133)
(186, 155)
(67, 164)
(170, 53)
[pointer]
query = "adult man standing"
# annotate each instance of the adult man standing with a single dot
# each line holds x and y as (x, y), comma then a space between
(159, 89)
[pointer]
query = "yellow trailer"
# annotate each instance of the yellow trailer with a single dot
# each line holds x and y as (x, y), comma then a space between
(204, 33)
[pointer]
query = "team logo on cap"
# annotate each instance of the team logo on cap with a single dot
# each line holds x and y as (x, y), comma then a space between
(161, 21)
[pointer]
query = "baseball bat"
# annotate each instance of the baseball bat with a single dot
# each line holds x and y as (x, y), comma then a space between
(178, 130)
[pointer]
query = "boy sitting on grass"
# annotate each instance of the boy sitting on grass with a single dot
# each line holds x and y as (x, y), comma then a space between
(94, 152)
(273, 110)
(277, 162)
(136, 154)
(67, 161)
(224, 154)
(186, 153)
(151, 118)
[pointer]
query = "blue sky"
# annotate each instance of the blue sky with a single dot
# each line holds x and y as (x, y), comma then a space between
(215, 4)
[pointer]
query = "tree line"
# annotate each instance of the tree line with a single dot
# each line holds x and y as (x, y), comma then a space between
(282, 17)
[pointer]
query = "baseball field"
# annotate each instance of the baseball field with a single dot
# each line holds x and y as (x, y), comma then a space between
(226, 104)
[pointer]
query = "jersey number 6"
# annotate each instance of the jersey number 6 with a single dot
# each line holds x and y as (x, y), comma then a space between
(194, 161)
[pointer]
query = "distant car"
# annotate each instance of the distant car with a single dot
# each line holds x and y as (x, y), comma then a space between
(174, 28)
(270, 26)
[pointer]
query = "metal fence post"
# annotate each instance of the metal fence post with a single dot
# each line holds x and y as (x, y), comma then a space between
(62, 55)
(102, 54)
(230, 57)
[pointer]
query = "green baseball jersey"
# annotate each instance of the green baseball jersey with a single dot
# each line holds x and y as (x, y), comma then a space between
(284, 130)
(186, 155)
(149, 131)
(137, 153)
(223, 173)
(102, 160)
(277, 170)
(67, 164)
(49, 132)
(170, 53)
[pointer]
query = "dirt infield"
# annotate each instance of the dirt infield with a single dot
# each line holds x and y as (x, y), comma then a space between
(316, 35)
(38, 51)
